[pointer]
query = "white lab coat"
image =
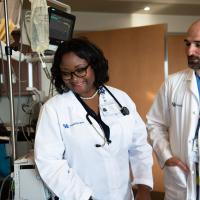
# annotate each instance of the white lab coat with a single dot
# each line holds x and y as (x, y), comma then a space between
(172, 122)
(70, 164)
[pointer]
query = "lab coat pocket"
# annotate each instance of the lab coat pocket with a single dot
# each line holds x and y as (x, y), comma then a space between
(176, 176)
(175, 183)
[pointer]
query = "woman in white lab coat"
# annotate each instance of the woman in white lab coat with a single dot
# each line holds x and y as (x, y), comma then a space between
(90, 136)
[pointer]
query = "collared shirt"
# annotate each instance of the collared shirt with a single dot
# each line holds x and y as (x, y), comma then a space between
(195, 147)
(196, 137)
(198, 82)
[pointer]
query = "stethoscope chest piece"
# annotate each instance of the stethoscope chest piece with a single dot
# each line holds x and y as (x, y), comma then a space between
(124, 111)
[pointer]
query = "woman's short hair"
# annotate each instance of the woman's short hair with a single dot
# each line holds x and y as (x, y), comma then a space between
(84, 49)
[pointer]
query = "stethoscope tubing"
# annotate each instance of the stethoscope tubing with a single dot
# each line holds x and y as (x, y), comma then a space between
(103, 137)
(123, 110)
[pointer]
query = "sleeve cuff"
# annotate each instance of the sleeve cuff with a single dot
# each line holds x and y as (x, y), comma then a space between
(163, 157)
(137, 181)
(87, 194)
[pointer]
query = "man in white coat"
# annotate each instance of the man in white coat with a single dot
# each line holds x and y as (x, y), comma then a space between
(173, 125)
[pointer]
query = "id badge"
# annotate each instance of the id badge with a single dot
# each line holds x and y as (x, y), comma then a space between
(195, 145)
(195, 150)
(110, 109)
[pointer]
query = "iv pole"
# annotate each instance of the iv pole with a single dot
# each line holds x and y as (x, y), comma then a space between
(8, 51)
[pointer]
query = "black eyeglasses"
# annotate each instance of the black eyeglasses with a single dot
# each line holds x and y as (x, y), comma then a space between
(188, 43)
(79, 72)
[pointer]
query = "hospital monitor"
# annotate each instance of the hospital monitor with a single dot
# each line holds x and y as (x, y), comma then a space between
(61, 26)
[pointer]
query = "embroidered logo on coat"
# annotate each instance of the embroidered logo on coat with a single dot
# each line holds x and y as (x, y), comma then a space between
(176, 105)
(66, 125)
(73, 124)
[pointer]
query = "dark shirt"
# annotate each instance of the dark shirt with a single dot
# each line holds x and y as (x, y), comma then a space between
(90, 112)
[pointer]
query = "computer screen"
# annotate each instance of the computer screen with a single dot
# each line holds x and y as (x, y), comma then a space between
(61, 26)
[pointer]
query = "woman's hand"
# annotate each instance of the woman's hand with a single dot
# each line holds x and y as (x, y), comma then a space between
(143, 193)
(173, 161)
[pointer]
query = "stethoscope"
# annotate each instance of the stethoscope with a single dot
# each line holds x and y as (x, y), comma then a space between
(124, 110)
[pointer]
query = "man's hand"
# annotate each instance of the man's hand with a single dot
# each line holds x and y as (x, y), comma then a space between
(174, 161)
(143, 193)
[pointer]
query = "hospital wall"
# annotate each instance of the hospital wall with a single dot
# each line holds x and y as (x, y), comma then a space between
(90, 21)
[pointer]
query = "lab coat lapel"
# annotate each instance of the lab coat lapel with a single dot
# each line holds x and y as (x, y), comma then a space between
(78, 106)
(95, 131)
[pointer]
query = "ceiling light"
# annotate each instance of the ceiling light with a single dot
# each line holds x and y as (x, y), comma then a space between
(147, 8)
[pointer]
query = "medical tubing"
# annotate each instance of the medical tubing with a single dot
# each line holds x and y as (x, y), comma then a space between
(12, 117)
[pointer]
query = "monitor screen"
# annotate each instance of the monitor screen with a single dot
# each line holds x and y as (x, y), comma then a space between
(61, 26)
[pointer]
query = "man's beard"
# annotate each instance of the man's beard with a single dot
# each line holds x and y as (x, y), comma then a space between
(194, 62)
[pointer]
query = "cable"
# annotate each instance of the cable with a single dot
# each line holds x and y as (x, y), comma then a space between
(29, 112)
(44, 67)
(19, 67)
(29, 141)
(1, 120)
(2, 63)
(3, 182)
(11, 190)
(51, 89)
(27, 18)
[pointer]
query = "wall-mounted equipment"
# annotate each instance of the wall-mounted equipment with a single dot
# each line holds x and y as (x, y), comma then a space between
(61, 26)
